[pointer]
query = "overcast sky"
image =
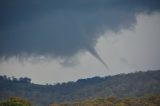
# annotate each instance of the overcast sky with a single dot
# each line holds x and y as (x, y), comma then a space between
(64, 41)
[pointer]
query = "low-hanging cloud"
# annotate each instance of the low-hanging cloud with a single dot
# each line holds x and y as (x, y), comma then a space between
(63, 28)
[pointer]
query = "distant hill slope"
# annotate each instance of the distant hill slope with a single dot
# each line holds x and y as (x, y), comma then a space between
(122, 85)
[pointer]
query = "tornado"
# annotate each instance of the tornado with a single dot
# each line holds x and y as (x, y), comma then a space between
(96, 55)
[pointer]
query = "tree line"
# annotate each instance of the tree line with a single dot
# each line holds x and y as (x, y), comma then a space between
(13, 79)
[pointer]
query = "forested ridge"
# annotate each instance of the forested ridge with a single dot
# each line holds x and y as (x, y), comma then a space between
(121, 86)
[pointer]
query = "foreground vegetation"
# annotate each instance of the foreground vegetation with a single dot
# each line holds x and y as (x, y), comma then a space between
(15, 101)
(153, 100)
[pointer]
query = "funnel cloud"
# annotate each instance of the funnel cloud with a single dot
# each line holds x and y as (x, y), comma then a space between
(62, 29)
(96, 55)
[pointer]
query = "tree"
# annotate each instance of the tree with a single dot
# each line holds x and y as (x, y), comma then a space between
(15, 101)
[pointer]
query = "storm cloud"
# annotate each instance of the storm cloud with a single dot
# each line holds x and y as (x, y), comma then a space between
(63, 28)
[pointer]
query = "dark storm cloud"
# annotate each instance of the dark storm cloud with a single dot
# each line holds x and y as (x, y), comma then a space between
(63, 28)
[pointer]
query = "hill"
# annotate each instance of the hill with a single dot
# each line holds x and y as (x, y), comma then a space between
(122, 85)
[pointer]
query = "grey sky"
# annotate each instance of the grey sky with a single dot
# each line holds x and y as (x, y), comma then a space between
(55, 37)
(64, 28)
(130, 50)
